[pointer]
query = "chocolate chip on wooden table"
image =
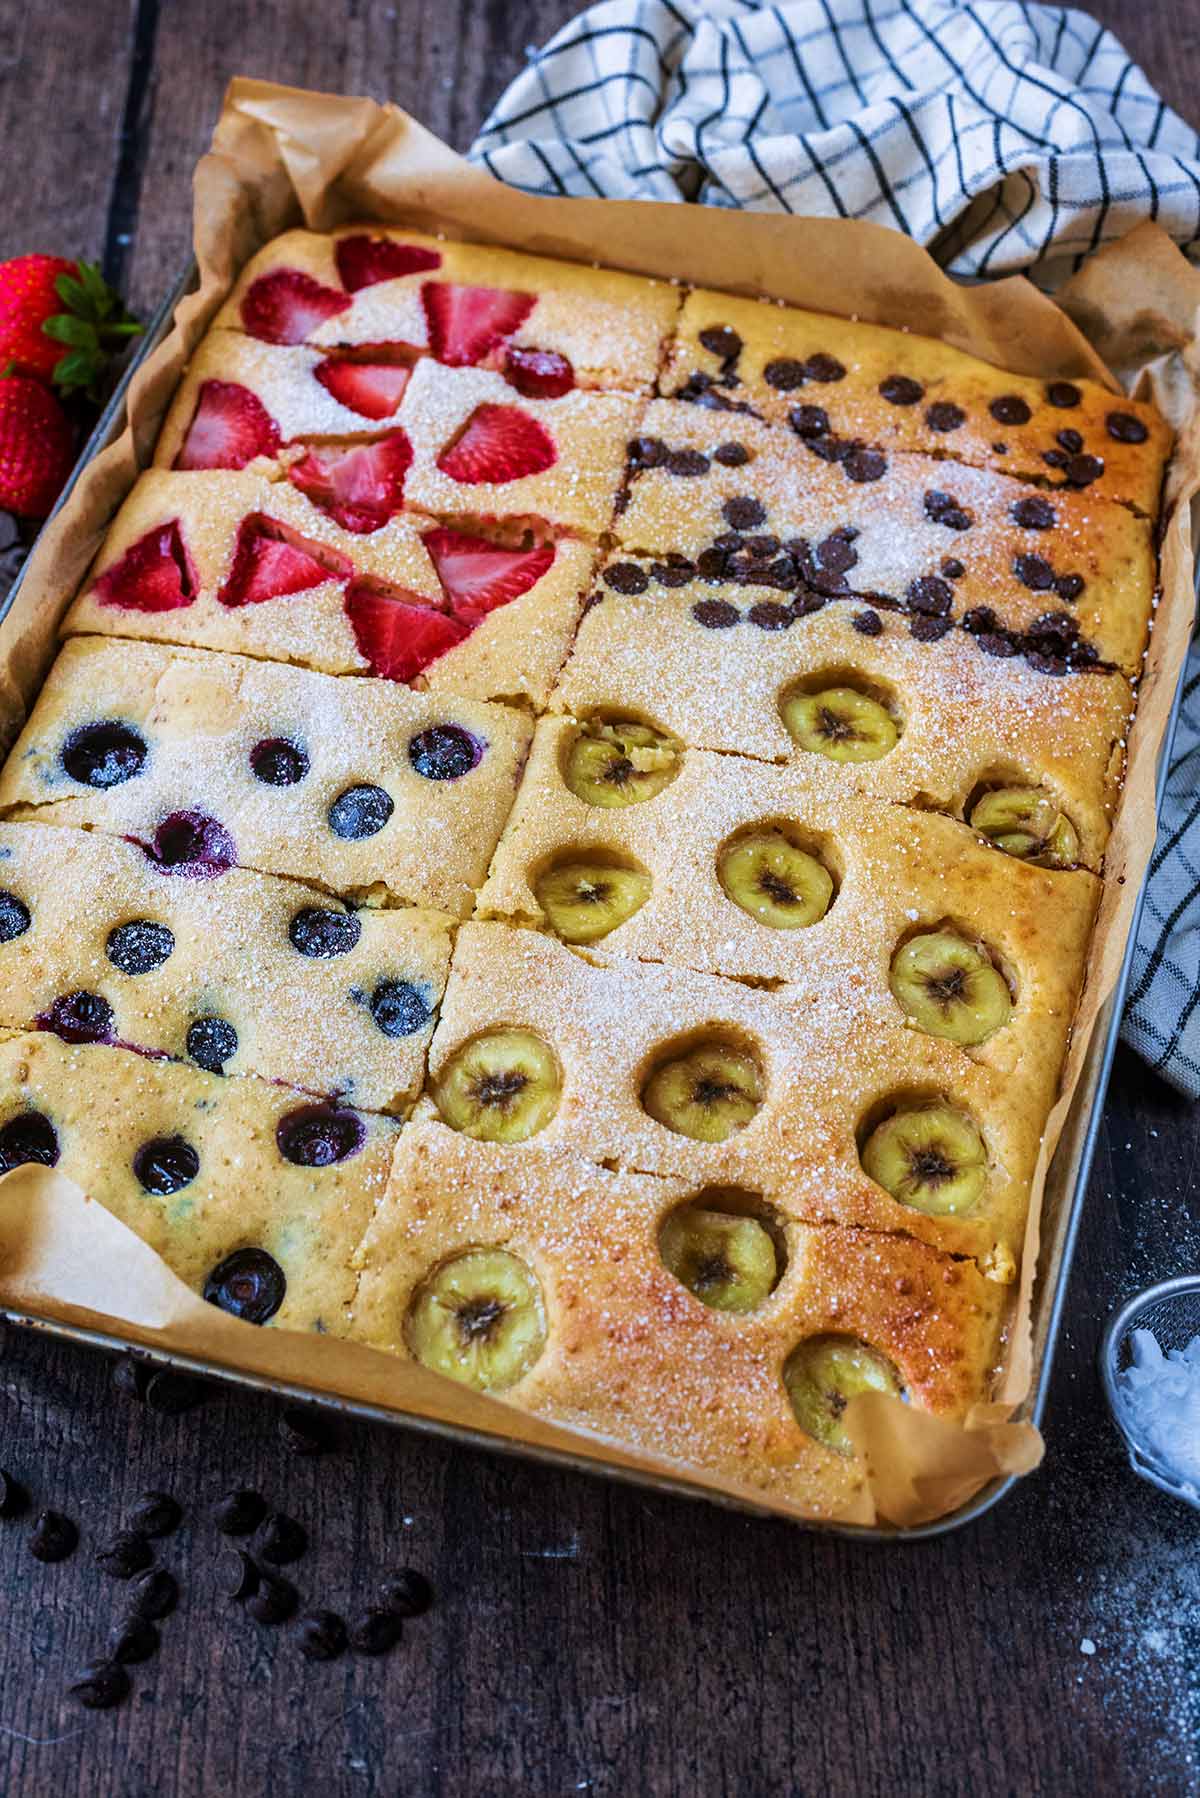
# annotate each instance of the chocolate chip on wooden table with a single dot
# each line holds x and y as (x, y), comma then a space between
(53, 1537)
(240, 1577)
(1063, 394)
(123, 1555)
(13, 1496)
(132, 1640)
(321, 1636)
(375, 1631)
(152, 1595)
(239, 1512)
(406, 1593)
(307, 1431)
(280, 1539)
(154, 1514)
(274, 1601)
(100, 1685)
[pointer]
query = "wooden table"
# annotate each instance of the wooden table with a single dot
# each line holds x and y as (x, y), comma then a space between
(586, 1638)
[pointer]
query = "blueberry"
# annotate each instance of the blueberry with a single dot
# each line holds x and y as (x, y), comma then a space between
(14, 917)
(398, 1008)
(165, 1164)
(139, 946)
(79, 1018)
(444, 752)
(249, 1284)
(360, 811)
(194, 846)
(211, 1042)
(321, 933)
(319, 1135)
(277, 762)
(104, 755)
(29, 1136)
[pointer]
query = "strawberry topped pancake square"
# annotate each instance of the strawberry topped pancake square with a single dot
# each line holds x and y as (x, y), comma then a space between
(322, 568)
(547, 326)
(480, 451)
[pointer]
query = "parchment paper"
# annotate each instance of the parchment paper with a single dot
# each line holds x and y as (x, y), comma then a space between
(282, 156)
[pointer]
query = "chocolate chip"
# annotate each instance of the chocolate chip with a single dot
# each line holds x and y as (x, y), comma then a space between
(1045, 664)
(943, 508)
(100, 1685)
(867, 624)
(274, 1602)
(1070, 440)
(928, 630)
(152, 1595)
(375, 1631)
(1010, 409)
(995, 643)
(52, 1538)
(626, 577)
(1063, 394)
(1081, 471)
(769, 616)
(1054, 458)
(1000, 449)
(321, 1636)
(930, 595)
(979, 620)
(731, 455)
(132, 1640)
(1124, 427)
(405, 1594)
(687, 463)
(721, 340)
(1035, 514)
(809, 421)
(646, 452)
(901, 390)
(280, 1539)
(715, 614)
(239, 1512)
(240, 1578)
(13, 1496)
(952, 568)
(710, 564)
(155, 1514)
(865, 465)
(836, 553)
(1069, 587)
(944, 415)
(784, 374)
(762, 547)
(729, 541)
(743, 512)
(1034, 572)
(831, 449)
(806, 603)
(782, 574)
(130, 1376)
(307, 1431)
(171, 1394)
(673, 574)
(124, 1554)
(824, 368)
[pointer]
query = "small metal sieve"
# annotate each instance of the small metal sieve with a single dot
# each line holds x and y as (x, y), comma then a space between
(1171, 1311)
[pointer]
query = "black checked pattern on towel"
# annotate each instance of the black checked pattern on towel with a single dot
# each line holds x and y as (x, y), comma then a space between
(1003, 136)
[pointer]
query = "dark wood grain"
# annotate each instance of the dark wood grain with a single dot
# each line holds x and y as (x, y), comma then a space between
(586, 1638)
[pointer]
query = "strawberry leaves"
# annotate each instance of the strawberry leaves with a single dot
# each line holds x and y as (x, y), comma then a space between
(94, 327)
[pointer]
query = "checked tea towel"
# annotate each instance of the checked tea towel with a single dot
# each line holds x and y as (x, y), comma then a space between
(1004, 136)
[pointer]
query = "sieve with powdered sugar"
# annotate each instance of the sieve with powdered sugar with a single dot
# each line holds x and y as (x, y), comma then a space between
(1150, 1365)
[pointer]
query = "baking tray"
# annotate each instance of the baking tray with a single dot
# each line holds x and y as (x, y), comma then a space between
(1061, 1215)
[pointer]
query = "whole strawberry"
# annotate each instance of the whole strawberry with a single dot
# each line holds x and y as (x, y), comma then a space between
(37, 446)
(59, 320)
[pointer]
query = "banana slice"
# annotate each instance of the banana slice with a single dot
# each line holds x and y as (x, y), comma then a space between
(823, 1373)
(775, 882)
(707, 1093)
(1025, 822)
(728, 1262)
(950, 987)
(478, 1318)
(583, 900)
(840, 723)
(621, 762)
(930, 1157)
(503, 1086)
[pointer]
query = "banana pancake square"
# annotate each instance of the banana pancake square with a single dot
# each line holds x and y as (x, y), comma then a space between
(212, 761)
(692, 1322)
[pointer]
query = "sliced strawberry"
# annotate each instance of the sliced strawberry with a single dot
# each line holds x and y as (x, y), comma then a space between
(465, 323)
(372, 389)
(284, 306)
(229, 427)
(396, 631)
(538, 374)
(270, 561)
(477, 576)
(362, 261)
(156, 574)
(498, 443)
(361, 488)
